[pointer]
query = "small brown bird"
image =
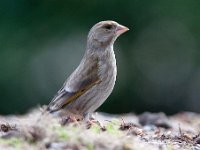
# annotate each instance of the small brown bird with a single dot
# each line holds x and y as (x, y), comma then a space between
(93, 80)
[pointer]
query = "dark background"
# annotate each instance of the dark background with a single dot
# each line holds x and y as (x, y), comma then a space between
(42, 42)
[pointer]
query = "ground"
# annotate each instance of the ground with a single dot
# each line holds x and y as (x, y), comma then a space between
(111, 132)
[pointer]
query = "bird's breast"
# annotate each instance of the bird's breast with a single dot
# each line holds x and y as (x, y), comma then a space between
(107, 71)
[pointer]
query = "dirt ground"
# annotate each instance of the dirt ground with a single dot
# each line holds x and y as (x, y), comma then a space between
(152, 131)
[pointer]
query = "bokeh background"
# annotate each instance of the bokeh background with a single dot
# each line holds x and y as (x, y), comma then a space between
(43, 41)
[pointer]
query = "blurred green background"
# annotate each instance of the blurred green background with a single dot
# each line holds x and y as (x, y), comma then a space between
(42, 42)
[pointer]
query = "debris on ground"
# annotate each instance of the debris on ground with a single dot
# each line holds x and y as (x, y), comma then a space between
(114, 132)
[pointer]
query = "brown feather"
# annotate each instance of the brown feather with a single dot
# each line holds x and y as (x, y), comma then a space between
(87, 78)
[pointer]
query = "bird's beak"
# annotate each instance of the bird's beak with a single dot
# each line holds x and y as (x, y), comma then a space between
(121, 29)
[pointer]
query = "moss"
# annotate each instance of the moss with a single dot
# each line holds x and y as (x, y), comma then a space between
(61, 132)
(95, 128)
(113, 127)
(170, 146)
(15, 142)
(90, 146)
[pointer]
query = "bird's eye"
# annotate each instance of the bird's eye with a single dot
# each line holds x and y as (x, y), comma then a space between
(108, 27)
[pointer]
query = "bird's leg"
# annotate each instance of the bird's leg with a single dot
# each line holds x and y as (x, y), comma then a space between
(89, 117)
(70, 119)
(90, 120)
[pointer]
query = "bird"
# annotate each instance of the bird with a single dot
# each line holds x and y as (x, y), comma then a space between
(93, 80)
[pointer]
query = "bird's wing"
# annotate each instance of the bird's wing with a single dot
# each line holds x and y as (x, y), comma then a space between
(80, 81)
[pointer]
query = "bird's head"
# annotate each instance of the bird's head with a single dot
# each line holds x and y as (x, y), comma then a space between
(105, 33)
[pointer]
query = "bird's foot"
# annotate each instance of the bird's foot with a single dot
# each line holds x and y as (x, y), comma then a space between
(90, 121)
(94, 122)
(70, 119)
